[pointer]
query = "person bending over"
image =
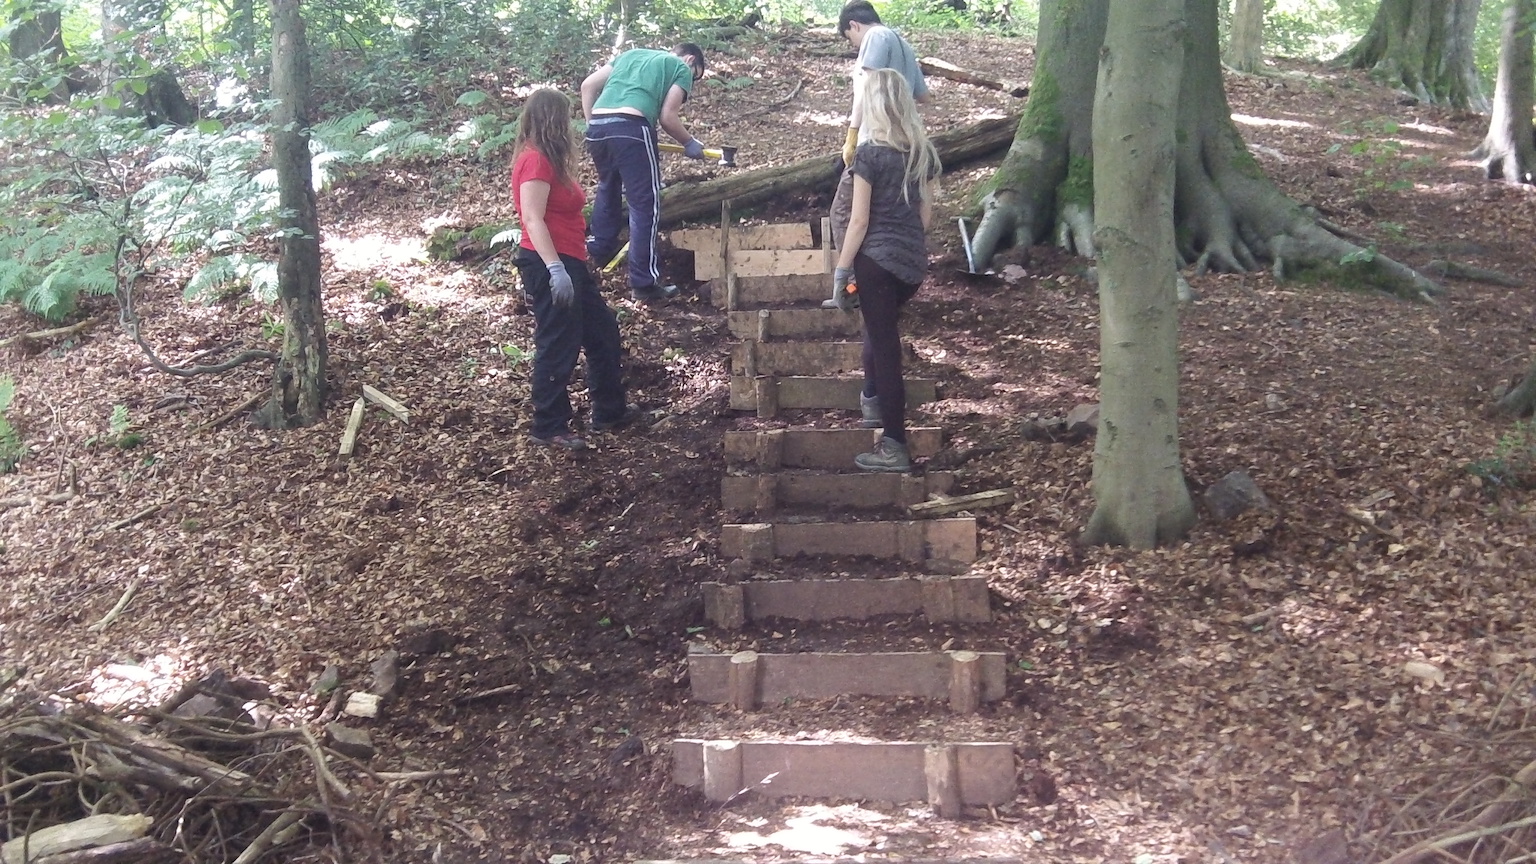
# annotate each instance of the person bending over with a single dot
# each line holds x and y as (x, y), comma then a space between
(879, 47)
(881, 210)
(569, 314)
(624, 102)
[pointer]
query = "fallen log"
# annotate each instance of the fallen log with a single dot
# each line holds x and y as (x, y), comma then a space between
(944, 69)
(691, 201)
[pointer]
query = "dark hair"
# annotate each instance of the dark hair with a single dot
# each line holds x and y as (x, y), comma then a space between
(545, 125)
(861, 11)
(689, 49)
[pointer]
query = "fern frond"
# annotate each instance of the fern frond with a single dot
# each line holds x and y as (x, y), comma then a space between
(7, 392)
(97, 275)
(213, 275)
(349, 126)
(53, 297)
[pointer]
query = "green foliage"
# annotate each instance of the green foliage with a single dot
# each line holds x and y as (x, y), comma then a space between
(11, 448)
(1512, 466)
(1387, 168)
(908, 15)
(121, 428)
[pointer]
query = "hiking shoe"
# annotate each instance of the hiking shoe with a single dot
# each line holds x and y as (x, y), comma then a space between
(564, 441)
(869, 406)
(830, 304)
(889, 455)
(631, 413)
(653, 293)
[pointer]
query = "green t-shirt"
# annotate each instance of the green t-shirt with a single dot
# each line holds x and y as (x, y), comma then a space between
(640, 80)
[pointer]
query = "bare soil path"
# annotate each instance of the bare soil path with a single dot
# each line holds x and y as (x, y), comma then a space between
(1231, 699)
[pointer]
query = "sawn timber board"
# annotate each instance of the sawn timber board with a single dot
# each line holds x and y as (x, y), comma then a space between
(770, 450)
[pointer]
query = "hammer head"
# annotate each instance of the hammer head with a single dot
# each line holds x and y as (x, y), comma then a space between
(728, 157)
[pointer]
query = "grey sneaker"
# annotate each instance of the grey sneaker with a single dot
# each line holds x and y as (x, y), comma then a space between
(869, 406)
(889, 455)
(830, 304)
(653, 293)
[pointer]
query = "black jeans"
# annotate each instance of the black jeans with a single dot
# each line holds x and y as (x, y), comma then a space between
(881, 297)
(623, 148)
(559, 337)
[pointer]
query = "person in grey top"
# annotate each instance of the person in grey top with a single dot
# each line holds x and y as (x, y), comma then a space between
(880, 47)
(879, 215)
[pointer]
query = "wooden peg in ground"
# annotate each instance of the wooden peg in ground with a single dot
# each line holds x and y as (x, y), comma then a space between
(378, 398)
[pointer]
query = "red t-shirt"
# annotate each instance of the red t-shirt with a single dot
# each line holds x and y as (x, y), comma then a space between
(562, 214)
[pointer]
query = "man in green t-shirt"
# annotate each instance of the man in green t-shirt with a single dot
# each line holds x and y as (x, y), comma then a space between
(624, 101)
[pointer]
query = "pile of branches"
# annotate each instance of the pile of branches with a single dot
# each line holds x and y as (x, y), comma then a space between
(150, 786)
(1477, 805)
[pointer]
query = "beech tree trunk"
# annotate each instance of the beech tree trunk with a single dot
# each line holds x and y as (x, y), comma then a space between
(298, 382)
(1228, 215)
(1508, 152)
(1522, 400)
(36, 41)
(1245, 47)
(1425, 47)
(1140, 498)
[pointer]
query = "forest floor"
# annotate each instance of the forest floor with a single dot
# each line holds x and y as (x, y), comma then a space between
(1270, 688)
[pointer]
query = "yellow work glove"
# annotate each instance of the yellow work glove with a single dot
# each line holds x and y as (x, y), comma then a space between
(850, 145)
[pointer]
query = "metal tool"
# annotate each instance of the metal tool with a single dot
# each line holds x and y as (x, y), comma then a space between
(965, 242)
(726, 155)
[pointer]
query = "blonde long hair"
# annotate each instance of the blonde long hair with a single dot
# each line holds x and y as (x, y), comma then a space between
(545, 125)
(891, 118)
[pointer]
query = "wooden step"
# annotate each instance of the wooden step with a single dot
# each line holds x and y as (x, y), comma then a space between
(940, 599)
(987, 860)
(769, 394)
(748, 679)
(766, 324)
(946, 545)
(947, 776)
(781, 235)
(753, 263)
(772, 449)
(753, 358)
(774, 290)
(766, 493)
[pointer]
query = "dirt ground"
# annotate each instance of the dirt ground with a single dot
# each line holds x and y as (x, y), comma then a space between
(1260, 691)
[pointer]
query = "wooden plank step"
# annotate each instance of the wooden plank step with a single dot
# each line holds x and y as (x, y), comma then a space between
(753, 358)
(771, 394)
(940, 599)
(772, 449)
(765, 324)
(988, 860)
(765, 493)
(776, 291)
(746, 263)
(946, 544)
(782, 235)
(948, 776)
(748, 679)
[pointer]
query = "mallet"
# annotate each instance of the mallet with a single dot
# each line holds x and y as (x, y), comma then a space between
(726, 155)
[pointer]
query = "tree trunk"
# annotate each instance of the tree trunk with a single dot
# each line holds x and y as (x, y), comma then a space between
(1522, 400)
(298, 382)
(1228, 216)
(1245, 48)
(1140, 498)
(37, 42)
(689, 201)
(1425, 47)
(1508, 152)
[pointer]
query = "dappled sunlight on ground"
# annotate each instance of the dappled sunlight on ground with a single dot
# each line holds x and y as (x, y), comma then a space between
(371, 251)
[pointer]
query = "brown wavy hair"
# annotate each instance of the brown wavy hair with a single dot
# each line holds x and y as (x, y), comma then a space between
(545, 125)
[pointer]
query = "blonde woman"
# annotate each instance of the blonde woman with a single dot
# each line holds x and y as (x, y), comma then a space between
(880, 213)
(569, 315)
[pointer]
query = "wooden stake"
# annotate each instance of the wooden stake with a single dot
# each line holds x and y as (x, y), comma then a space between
(964, 682)
(349, 437)
(722, 770)
(388, 404)
(725, 605)
(743, 680)
(767, 396)
(770, 455)
(941, 767)
(725, 255)
(827, 252)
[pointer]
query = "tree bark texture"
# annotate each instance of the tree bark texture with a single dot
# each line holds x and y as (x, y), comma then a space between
(1522, 400)
(1140, 498)
(1245, 48)
(1508, 152)
(1426, 47)
(37, 42)
(298, 382)
(1228, 215)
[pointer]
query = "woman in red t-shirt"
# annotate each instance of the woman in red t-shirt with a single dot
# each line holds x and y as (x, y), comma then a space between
(569, 313)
